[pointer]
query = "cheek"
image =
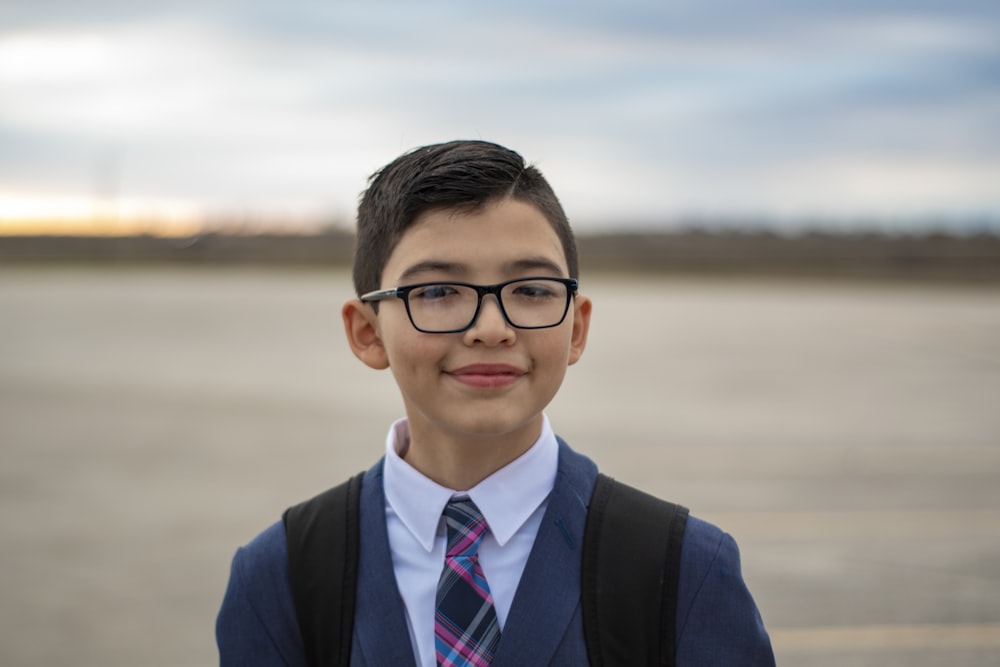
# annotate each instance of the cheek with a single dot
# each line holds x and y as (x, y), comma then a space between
(553, 352)
(414, 353)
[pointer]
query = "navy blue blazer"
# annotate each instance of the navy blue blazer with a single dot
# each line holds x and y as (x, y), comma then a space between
(717, 621)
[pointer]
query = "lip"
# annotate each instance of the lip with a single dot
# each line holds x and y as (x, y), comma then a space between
(487, 375)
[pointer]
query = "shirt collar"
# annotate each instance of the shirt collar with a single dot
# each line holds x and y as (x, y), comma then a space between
(506, 498)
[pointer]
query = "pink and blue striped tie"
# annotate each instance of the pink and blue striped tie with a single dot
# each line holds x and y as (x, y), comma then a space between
(466, 630)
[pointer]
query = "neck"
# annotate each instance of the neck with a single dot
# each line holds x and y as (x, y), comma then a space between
(461, 463)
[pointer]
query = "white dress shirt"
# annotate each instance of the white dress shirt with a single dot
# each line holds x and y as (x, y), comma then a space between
(512, 500)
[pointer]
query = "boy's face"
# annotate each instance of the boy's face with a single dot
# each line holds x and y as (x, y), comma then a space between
(492, 380)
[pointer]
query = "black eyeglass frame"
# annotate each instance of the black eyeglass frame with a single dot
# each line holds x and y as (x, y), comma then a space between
(403, 292)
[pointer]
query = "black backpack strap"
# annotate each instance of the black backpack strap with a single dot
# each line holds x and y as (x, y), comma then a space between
(323, 536)
(631, 567)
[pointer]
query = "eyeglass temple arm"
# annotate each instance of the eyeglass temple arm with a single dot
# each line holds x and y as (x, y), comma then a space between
(379, 295)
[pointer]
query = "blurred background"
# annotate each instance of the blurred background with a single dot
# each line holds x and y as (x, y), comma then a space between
(789, 219)
(121, 116)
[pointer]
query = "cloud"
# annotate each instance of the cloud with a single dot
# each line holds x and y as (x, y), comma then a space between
(638, 111)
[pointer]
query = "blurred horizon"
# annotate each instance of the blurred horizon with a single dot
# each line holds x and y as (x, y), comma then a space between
(165, 118)
(180, 226)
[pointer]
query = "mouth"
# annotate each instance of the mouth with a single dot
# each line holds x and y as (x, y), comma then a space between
(487, 375)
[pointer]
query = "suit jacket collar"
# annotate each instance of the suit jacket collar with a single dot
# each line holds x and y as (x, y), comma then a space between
(381, 635)
(547, 597)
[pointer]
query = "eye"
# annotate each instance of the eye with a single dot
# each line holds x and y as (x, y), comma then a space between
(537, 289)
(433, 292)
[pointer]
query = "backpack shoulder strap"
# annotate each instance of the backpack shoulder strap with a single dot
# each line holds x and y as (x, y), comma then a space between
(323, 536)
(631, 567)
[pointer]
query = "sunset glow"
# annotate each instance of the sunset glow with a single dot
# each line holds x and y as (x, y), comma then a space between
(86, 216)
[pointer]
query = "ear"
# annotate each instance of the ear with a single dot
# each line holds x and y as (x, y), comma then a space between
(361, 326)
(581, 326)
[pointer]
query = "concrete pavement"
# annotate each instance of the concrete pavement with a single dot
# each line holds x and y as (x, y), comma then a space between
(847, 434)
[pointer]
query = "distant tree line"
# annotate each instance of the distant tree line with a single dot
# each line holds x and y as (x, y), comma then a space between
(927, 256)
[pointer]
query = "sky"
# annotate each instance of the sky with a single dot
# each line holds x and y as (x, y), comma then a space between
(793, 114)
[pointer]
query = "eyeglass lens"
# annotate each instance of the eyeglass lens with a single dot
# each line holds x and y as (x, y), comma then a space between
(528, 304)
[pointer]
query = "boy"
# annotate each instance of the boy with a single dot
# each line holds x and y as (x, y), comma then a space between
(470, 525)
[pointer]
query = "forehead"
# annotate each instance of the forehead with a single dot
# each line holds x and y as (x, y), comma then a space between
(504, 238)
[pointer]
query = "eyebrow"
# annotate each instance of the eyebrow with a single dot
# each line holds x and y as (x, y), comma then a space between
(431, 265)
(539, 263)
(532, 263)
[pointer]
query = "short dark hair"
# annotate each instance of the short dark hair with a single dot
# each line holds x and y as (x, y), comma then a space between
(463, 174)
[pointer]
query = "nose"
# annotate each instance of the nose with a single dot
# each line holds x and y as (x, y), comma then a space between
(490, 326)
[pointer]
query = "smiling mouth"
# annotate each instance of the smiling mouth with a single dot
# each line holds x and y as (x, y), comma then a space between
(487, 375)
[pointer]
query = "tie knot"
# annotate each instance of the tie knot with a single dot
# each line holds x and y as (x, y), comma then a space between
(466, 527)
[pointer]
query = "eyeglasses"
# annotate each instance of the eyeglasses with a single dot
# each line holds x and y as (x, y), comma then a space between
(450, 307)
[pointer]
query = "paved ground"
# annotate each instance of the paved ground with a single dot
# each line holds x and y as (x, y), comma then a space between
(848, 435)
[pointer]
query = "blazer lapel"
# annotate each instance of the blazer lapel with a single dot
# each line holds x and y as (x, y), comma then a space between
(381, 636)
(548, 595)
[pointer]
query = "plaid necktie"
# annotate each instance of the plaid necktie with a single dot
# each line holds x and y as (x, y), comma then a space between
(466, 630)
